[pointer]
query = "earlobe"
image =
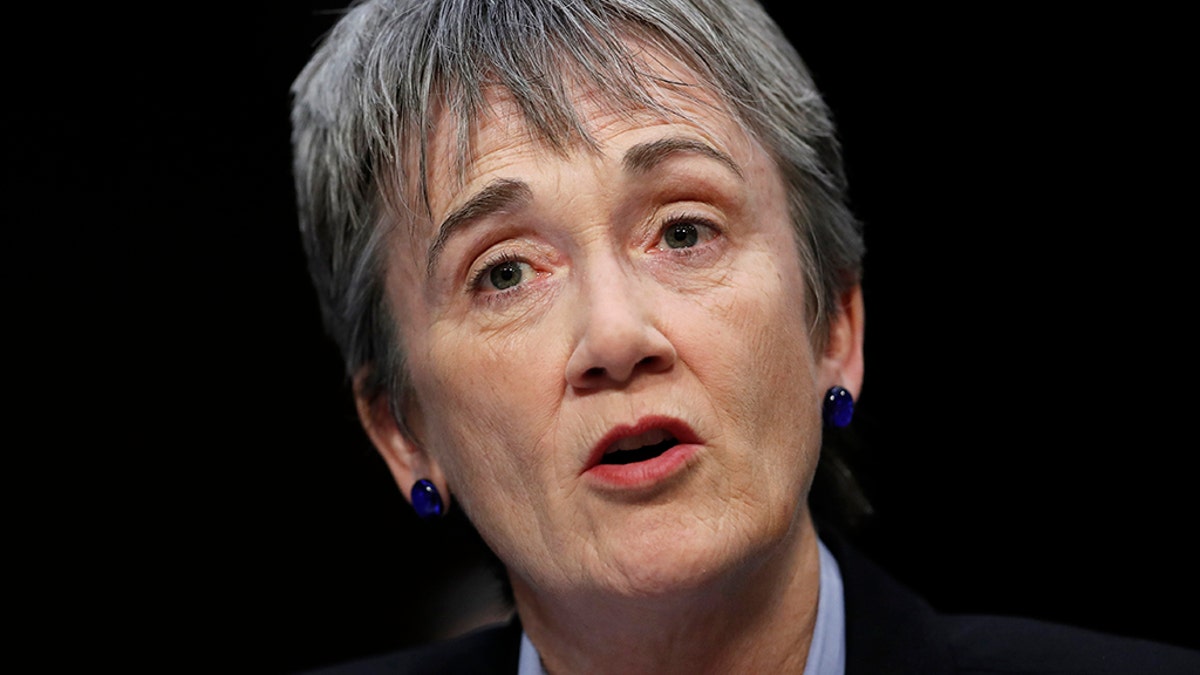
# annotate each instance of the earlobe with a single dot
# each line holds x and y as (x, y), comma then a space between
(842, 362)
(404, 455)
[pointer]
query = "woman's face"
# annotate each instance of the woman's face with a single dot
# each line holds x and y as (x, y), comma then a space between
(609, 352)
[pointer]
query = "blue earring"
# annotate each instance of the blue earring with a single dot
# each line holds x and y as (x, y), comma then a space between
(838, 408)
(426, 499)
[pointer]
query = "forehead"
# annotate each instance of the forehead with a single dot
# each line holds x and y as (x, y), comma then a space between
(502, 140)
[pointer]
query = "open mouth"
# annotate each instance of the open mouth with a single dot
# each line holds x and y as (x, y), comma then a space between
(639, 448)
(634, 458)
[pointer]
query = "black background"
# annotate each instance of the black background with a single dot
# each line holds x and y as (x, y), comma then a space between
(190, 482)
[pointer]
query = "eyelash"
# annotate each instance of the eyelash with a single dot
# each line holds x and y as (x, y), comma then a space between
(490, 264)
(701, 222)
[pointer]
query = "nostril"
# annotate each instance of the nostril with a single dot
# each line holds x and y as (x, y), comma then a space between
(653, 364)
(594, 372)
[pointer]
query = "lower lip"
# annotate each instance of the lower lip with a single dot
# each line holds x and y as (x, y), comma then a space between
(643, 474)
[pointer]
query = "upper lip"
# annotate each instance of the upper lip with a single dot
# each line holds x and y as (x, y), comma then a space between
(679, 429)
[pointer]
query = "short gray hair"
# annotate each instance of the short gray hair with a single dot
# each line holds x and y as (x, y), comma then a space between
(364, 104)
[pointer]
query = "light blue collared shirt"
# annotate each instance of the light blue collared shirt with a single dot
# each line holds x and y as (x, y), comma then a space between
(826, 652)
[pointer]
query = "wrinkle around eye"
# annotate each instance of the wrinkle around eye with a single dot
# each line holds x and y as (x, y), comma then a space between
(509, 274)
(466, 256)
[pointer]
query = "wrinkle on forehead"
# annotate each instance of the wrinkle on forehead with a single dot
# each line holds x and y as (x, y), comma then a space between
(458, 140)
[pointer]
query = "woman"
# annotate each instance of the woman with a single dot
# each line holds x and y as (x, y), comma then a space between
(593, 276)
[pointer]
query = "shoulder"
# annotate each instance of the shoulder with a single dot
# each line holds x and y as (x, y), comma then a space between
(891, 629)
(993, 644)
(493, 649)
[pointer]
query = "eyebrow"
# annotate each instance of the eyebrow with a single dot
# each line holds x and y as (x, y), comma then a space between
(643, 157)
(506, 194)
(499, 195)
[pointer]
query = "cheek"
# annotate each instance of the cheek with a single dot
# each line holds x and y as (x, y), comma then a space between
(491, 415)
(751, 352)
(751, 338)
(784, 353)
(469, 373)
(487, 407)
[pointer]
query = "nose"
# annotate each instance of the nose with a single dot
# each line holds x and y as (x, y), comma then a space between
(620, 337)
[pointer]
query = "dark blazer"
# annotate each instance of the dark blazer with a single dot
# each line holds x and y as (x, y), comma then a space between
(889, 630)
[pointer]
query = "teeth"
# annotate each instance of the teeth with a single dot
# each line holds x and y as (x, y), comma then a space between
(652, 437)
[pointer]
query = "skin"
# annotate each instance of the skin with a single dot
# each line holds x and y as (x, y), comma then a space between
(609, 323)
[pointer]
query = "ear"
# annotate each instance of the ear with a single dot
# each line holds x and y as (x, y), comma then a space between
(403, 453)
(842, 361)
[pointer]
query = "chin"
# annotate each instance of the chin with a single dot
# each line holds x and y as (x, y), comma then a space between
(690, 555)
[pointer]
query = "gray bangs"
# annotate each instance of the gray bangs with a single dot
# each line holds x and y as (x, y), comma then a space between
(534, 51)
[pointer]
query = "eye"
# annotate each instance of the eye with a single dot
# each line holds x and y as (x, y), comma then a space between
(685, 233)
(502, 275)
(681, 235)
(506, 275)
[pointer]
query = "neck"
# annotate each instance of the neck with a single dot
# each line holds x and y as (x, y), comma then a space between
(756, 617)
